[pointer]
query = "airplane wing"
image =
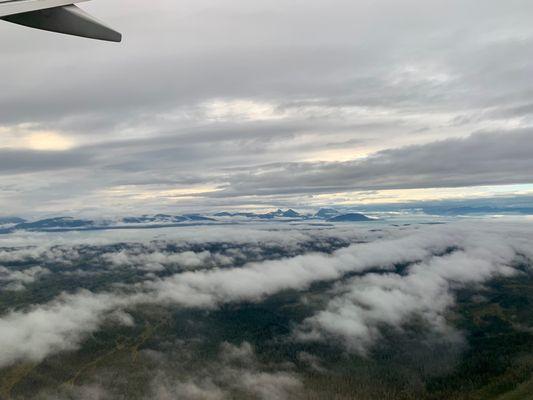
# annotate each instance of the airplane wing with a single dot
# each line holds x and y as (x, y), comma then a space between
(61, 16)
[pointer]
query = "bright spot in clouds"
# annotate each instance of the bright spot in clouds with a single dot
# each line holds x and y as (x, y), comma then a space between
(50, 141)
(247, 110)
(25, 137)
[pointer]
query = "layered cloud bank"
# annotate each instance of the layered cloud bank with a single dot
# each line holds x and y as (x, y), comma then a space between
(206, 115)
(396, 274)
(481, 159)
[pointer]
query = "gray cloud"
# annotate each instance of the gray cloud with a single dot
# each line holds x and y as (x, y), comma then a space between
(481, 159)
(21, 161)
(199, 91)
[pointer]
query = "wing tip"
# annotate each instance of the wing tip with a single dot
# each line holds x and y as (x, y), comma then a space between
(115, 37)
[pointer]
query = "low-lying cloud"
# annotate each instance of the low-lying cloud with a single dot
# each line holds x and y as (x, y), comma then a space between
(236, 370)
(58, 326)
(15, 280)
(409, 271)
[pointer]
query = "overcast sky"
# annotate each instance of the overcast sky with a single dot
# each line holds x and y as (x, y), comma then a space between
(224, 104)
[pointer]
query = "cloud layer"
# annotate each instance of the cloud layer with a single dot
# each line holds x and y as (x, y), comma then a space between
(401, 273)
(255, 105)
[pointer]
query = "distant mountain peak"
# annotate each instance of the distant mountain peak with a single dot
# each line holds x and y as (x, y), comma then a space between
(350, 217)
(55, 223)
(290, 213)
(327, 213)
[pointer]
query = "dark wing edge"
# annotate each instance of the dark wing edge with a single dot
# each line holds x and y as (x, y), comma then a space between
(68, 19)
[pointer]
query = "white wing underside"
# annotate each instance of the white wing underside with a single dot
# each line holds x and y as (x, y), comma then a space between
(10, 7)
(60, 16)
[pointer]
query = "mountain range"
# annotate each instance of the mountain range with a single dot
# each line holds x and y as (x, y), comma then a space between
(11, 224)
